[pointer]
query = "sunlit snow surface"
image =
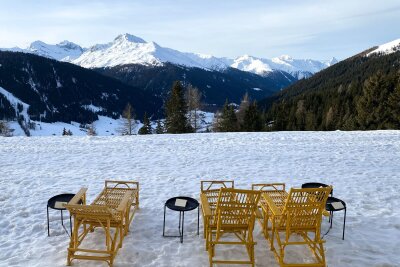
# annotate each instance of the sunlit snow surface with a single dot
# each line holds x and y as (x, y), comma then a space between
(364, 168)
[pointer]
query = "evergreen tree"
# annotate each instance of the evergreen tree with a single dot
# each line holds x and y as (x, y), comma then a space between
(146, 128)
(252, 119)
(176, 121)
(193, 100)
(64, 132)
(159, 128)
(227, 121)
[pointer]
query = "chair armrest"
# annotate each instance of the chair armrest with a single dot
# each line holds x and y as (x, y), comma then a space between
(205, 205)
(81, 195)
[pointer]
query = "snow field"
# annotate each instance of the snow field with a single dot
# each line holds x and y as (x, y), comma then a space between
(362, 166)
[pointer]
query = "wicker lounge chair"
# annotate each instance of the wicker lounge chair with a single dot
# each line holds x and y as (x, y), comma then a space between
(112, 211)
(300, 216)
(234, 215)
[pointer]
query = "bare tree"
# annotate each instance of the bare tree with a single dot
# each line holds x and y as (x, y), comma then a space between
(91, 130)
(128, 120)
(193, 100)
(5, 129)
(244, 105)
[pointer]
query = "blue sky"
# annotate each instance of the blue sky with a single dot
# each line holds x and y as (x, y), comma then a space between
(300, 28)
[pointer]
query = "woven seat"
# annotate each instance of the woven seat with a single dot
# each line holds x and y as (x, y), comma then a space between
(112, 211)
(234, 214)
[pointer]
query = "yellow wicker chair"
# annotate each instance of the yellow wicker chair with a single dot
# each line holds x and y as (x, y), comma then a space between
(234, 215)
(209, 191)
(300, 216)
(111, 211)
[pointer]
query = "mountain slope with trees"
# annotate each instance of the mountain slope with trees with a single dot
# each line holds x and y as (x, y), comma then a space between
(58, 91)
(215, 86)
(359, 93)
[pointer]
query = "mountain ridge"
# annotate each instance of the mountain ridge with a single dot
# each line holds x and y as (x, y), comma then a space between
(130, 49)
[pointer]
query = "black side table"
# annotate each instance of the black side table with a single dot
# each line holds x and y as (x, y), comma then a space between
(52, 204)
(332, 209)
(191, 204)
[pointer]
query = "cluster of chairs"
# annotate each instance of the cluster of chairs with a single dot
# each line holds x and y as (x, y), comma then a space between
(284, 217)
(229, 214)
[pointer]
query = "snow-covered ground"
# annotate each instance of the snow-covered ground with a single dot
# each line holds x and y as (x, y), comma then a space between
(363, 167)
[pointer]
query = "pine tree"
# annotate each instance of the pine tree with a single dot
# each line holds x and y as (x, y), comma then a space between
(146, 128)
(176, 121)
(227, 121)
(64, 132)
(252, 119)
(5, 129)
(159, 128)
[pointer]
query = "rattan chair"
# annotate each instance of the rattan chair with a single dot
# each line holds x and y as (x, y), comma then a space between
(209, 191)
(301, 216)
(234, 216)
(112, 211)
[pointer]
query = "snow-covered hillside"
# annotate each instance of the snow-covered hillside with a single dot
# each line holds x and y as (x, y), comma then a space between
(387, 48)
(130, 49)
(363, 168)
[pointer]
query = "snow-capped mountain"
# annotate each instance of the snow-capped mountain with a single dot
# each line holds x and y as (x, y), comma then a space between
(130, 49)
(64, 51)
(299, 68)
(387, 48)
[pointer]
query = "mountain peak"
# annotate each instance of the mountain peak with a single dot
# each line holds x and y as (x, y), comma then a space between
(286, 57)
(129, 37)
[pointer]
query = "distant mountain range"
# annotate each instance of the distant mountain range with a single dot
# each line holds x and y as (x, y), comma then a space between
(129, 49)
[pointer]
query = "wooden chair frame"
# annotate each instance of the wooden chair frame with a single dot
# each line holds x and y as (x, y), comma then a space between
(234, 214)
(112, 211)
(209, 191)
(301, 216)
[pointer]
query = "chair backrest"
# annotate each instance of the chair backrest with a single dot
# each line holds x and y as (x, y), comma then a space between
(303, 208)
(236, 208)
(216, 185)
(269, 187)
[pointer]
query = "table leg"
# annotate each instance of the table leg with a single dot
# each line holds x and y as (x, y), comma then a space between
(198, 216)
(62, 218)
(163, 230)
(331, 216)
(183, 220)
(48, 224)
(180, 213)
(344, 223)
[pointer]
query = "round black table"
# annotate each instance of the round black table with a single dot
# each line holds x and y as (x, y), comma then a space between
(332, 209)
(191, 204)
(52, 204)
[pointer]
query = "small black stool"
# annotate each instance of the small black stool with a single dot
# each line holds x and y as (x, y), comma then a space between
(51, 203)
(191, 204)
(332, 209)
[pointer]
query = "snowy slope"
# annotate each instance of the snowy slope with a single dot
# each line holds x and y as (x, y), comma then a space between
(14, 101)
(362, 166)
(387, 48)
